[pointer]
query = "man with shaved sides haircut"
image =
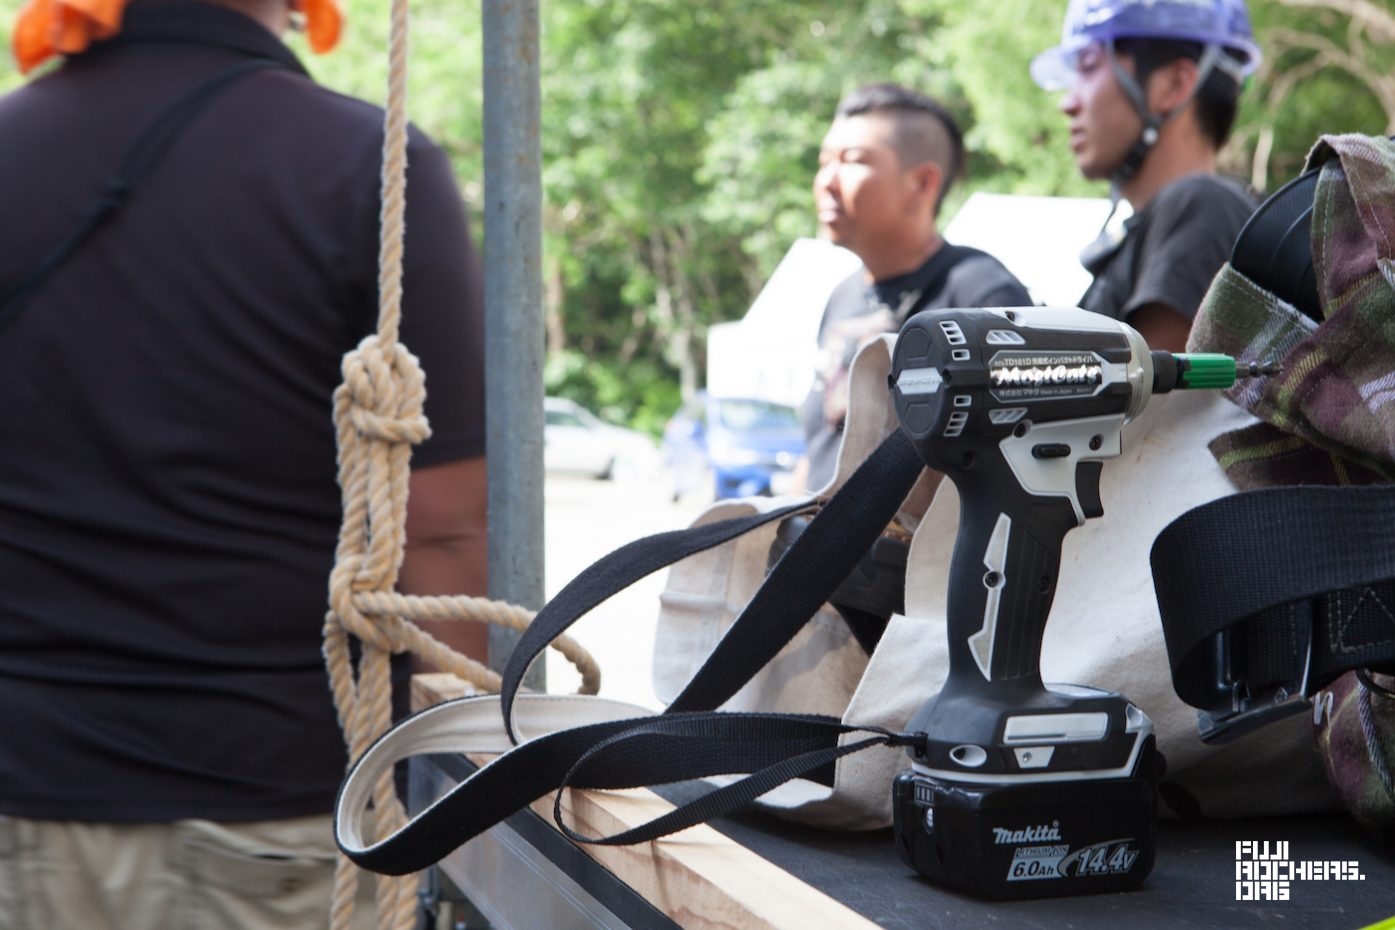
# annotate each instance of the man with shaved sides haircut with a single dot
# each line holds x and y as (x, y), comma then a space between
(885, 165)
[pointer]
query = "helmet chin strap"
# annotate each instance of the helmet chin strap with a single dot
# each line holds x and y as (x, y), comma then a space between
(1213, 57)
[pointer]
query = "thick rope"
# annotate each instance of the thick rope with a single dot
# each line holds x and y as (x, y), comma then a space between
(378, 417)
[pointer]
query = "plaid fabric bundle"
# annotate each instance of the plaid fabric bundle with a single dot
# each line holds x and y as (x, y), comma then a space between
(1329, 417)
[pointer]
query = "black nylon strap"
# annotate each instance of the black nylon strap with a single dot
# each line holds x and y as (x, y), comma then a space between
(735, 743)
(771, 748)
(138, 161)
(810, 570)
(612, 574)
(936, 272)
(796, 587)
(1266, 569)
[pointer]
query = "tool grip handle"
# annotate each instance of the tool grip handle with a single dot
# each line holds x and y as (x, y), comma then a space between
(1003, 575)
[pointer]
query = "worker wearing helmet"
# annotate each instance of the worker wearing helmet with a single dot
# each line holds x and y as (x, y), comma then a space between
(1151, 90)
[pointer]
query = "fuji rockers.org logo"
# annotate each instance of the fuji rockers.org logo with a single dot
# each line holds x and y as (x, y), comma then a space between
(1264, 872)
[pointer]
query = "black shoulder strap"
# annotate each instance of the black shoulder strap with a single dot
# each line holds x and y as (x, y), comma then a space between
(1269, 595)
(138, 161)
(936, 273)
(808, 573)
(801, 581)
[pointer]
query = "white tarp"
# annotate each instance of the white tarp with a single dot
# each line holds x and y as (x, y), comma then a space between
(1038, 238)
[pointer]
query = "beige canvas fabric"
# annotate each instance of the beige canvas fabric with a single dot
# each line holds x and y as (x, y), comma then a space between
(1104, 628)
(703, 595)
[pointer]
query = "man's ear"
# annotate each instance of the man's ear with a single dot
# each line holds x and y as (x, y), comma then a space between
(1172, 85)
(929, 181)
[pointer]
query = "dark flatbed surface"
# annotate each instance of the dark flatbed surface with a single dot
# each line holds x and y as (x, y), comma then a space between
(1191, 887)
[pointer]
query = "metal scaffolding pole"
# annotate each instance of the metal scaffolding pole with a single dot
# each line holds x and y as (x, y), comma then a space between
(514, 339)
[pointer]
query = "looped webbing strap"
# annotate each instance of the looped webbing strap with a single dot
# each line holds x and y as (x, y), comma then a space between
(611, 754)
(1277, 586)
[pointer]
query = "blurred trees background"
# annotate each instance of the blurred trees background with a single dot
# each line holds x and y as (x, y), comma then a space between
(680, 140)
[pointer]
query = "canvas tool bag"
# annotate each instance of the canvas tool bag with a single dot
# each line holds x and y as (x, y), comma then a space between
(1290, 586)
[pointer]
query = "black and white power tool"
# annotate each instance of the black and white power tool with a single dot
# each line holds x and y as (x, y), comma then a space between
(1023, 790)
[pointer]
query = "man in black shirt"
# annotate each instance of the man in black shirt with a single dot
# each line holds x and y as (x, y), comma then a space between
(168, 504)
(1151, 94)
(884, 167)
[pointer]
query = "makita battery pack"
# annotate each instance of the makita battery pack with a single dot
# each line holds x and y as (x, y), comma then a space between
(1040, 840)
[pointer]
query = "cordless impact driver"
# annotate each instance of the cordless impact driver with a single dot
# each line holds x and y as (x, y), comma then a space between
(1023, 790)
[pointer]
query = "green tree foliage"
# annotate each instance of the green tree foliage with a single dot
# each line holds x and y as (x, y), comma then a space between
(444, 74)
(1017, 138)
(631, 90)
(1329, 67)
(679, 139)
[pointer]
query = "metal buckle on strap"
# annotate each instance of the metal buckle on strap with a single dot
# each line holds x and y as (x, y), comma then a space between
(1237, 709)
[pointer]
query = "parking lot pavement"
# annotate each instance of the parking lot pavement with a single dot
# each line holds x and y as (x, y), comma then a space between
(585, 519)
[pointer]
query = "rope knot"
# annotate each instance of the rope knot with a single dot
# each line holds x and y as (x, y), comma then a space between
(375, 630)
(386, 390)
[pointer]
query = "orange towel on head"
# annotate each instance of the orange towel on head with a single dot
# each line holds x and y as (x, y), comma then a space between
(324, 20)
(44, 28)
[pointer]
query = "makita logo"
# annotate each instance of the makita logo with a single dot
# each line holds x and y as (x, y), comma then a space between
(919, 381)
(1048, 374)
(1040, 834)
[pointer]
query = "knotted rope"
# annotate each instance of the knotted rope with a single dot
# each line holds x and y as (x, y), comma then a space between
(378, 417)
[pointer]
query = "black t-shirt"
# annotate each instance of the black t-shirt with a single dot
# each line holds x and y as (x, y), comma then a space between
(1172, 248)
(954, 276)
(169, 506)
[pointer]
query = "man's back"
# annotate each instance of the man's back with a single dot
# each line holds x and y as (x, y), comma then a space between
(168, 511)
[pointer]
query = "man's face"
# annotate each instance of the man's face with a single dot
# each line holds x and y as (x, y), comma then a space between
(862, 193)
(1103, 123)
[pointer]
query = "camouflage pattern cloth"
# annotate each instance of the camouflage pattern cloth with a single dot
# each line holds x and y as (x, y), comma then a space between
(1355, 727)
(1329, 416)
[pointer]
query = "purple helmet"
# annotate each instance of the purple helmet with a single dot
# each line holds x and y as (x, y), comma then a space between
(1224, 23)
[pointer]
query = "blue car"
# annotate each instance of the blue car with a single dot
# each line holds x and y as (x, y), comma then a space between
(732, 447)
